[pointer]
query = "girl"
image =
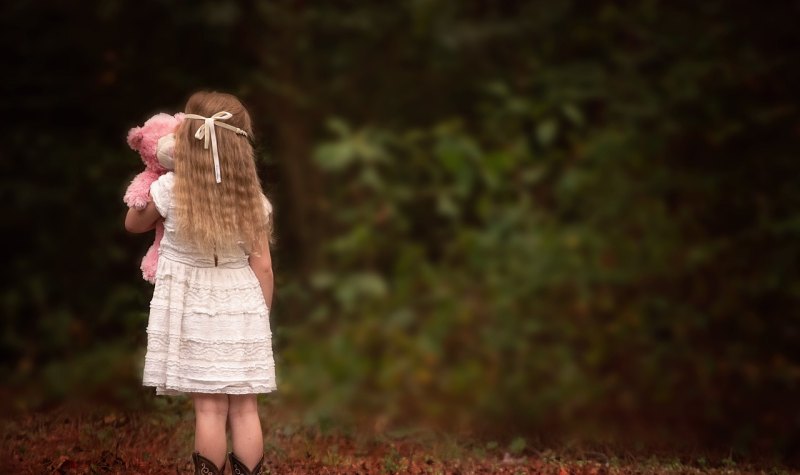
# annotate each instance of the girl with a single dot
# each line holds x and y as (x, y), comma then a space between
(208, 332)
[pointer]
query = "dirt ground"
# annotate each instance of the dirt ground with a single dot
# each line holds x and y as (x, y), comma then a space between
(99, 440)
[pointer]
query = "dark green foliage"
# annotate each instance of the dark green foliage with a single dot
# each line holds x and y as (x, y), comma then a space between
(524, 217)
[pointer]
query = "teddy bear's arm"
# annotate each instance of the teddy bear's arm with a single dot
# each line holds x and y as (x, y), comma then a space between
(138, 192)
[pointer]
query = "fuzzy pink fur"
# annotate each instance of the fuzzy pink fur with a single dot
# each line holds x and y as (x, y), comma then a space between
(144, 140)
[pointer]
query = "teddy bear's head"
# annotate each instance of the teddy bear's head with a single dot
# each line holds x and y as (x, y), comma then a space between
(144, 139)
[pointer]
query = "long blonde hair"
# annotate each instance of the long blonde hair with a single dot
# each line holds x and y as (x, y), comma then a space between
(216, 217)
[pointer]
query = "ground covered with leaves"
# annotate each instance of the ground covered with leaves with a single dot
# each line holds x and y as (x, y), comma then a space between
(88, 440)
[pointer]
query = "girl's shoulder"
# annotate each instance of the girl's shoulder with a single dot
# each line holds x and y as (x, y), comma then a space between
(164, 184)
(161, 192)
(167, 180)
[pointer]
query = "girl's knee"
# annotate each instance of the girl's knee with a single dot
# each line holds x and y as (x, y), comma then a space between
(211, 403)
(241, 404)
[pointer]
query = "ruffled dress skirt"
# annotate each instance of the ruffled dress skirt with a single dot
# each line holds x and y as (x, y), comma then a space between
(208, 331)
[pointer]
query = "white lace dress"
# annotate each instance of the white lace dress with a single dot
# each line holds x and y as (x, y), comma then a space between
(208, 329)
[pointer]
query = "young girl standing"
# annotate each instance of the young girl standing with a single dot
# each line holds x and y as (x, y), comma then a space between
(208, 333)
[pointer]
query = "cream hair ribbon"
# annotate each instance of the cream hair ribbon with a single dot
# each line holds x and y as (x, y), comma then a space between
(208, 129)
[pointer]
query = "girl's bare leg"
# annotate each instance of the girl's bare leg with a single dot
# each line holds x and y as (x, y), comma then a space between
(211, 412)
(248, 441)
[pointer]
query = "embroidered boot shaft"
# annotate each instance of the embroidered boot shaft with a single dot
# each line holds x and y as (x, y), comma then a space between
(203, 466)
(239, 468)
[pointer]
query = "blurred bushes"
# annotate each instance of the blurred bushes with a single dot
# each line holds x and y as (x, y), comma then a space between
(573, 248)
(523, 218)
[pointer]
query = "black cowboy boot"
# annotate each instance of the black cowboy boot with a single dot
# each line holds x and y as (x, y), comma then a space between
(238, 467)
(203, 466)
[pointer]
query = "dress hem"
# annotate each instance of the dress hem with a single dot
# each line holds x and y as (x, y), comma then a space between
(178, 391)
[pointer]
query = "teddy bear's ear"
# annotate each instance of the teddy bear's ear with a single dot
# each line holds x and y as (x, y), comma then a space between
(135, 136)
(179, 116)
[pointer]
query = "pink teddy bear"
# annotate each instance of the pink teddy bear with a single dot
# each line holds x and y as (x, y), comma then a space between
(154, 142)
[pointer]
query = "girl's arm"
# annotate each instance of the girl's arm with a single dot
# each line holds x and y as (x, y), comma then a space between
(141, 221)
(261, 263)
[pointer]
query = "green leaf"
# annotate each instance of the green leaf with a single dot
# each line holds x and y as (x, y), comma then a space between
(547, 131)
(572, 113)
(517, 445)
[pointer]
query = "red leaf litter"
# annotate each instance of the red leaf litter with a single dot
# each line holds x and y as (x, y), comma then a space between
(101, 440)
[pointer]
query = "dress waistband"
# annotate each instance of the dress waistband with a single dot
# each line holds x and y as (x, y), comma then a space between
(222, 263)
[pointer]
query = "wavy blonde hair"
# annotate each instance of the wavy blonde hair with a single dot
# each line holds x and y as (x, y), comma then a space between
(216, 217)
